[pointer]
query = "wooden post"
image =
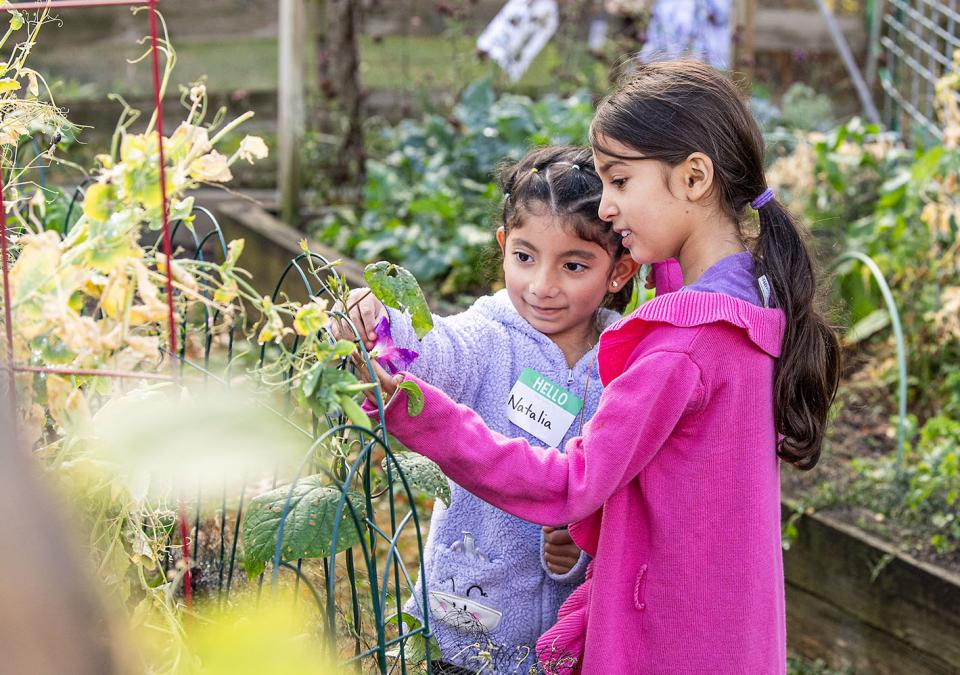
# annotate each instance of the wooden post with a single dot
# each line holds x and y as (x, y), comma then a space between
(290, 108)
(340, 71)
(873, 46)
(744, 57)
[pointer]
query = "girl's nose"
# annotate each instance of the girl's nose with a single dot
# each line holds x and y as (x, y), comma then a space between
(607, 211)
(542, 285)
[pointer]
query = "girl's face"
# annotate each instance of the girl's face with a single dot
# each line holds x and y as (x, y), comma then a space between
(556, 280)
(642, 204)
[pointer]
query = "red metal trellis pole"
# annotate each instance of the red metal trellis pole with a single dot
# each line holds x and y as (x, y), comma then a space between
(167, 243)
(7, 320)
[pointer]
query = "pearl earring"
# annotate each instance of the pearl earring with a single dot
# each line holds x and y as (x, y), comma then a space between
(615, 284)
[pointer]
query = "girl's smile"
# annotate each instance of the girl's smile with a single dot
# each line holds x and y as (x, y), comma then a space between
(556, 280)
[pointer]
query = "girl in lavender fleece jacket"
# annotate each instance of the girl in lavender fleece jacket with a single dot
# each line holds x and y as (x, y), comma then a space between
(673, 488)
(492, 588)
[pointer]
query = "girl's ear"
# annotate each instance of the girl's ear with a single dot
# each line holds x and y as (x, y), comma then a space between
(502, 239)
(696, 172)
(625, 268)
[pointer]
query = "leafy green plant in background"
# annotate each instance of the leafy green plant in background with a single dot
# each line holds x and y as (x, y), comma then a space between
(861, 190)
(430, 201)
(928, 502)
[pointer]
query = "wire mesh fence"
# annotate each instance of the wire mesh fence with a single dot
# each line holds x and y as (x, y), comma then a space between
(918, 43)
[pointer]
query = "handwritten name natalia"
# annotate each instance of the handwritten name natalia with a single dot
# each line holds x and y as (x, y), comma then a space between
(517, 403)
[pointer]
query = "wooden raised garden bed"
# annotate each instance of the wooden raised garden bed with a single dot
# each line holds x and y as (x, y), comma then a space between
(859, 605)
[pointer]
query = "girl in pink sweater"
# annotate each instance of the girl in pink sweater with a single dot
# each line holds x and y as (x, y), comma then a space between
(674, 486)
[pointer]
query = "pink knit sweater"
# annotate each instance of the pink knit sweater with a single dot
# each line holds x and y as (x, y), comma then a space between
(673, 489)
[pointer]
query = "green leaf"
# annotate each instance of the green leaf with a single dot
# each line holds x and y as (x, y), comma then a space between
(414, 397)
(415, 647)
(309, 528)
(339, 349)
(867, 326)
(925, 167)
(309, 381)
(421, 473)
(323, 388)
(396, 287)
(354, 412)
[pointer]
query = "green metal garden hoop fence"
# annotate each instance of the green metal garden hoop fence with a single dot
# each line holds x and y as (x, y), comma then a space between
(891, 307)
(361, 469)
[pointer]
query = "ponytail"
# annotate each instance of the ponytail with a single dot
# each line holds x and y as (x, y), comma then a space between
(808, 370)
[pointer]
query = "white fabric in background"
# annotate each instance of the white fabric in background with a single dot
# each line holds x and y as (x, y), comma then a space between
(697, 28)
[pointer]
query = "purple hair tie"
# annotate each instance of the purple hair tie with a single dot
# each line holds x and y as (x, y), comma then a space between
(762, 200)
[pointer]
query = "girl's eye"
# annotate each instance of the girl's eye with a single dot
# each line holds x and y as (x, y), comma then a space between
(618, 182)
(523, 257)
(574, 267)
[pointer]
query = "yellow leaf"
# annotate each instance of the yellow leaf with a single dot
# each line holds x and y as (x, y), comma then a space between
(141, 314)
(145, 288)
(79, 333)
(7, 84)
(36, 265)
(226, 293)
(147, 346)
(265, 335)
(98, 202)
(32, 87)
(211, 168)
(252, 148)
(179, 274)
(114, 298)
(310, 319)
(234, 251)
(67, 404)
(138, 148)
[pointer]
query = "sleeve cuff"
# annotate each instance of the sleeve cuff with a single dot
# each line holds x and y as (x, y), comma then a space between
(577, 573)
(371, 409)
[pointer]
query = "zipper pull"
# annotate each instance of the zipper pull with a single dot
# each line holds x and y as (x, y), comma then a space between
(570, 376)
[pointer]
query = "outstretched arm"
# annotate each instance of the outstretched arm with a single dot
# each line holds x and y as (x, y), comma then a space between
(456, 345)
(638, 412)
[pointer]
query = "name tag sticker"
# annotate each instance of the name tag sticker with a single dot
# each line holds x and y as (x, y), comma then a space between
(542, 407)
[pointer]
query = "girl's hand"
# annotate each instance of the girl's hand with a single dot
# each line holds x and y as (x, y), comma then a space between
(388, 383)
(365, 311)
(559, 551)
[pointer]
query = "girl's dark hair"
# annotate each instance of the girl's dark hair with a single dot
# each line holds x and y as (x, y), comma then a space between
(561, 181)
(671, 109)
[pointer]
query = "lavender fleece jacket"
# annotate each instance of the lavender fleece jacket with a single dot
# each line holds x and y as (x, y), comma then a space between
(476, 357)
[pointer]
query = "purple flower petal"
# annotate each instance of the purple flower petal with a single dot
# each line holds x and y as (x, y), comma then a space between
(387, 354)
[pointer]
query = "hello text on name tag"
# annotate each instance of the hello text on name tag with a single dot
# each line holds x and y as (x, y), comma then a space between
(542, 407)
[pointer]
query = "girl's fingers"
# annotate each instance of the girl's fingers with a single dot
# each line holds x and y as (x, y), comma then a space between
(559, 564)
(557, 536)
(388, 382)
(370, 316)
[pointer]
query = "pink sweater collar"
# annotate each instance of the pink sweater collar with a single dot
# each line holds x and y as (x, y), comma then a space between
(765, 327)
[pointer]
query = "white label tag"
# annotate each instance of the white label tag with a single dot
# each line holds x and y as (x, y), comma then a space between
(764, 285)
(518, 32)
(542, 407)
